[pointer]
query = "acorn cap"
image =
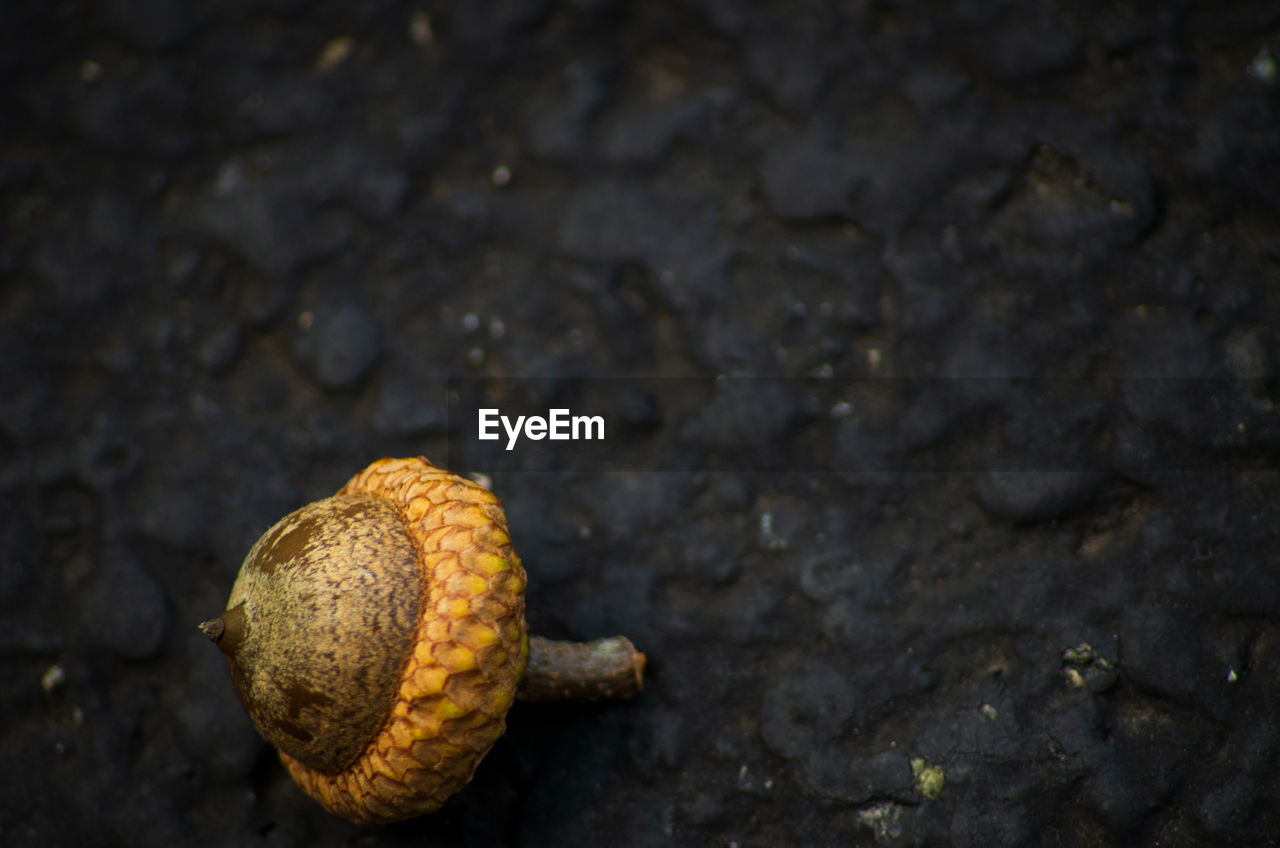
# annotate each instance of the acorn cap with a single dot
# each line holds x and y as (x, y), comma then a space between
(376, 638)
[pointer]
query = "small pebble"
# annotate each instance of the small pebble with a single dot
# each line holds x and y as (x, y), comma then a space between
(125, 608)
(337, 346)
(53, 678)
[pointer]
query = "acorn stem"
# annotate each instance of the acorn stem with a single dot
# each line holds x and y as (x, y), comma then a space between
(581, 671)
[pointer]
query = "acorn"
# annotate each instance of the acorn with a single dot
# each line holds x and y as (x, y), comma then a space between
(377, 639)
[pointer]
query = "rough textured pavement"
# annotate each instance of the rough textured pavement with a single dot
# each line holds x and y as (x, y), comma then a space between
(992, 560)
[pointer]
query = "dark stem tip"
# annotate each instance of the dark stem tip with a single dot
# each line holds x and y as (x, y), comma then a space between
(213, 628)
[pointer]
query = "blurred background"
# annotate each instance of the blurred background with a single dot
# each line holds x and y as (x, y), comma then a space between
(959, 526)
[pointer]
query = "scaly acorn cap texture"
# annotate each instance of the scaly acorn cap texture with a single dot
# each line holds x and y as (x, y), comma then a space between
(376, 638)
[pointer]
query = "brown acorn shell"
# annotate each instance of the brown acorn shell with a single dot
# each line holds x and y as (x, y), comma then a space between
(446, 703)
(327, 602)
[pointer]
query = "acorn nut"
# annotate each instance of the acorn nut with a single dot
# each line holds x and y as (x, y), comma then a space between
(377, 639)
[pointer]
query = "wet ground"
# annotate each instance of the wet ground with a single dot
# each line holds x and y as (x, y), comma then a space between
(990, 558)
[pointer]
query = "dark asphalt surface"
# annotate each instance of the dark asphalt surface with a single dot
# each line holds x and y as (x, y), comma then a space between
(989, 558)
